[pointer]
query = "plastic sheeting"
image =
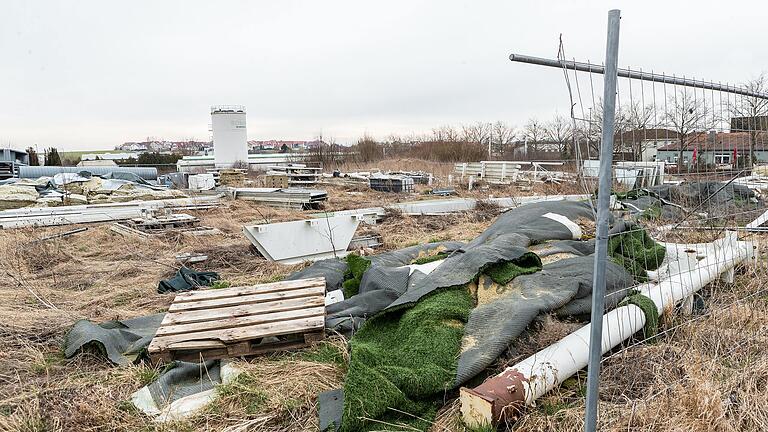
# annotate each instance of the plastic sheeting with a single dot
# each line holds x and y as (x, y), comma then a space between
(563, 287)
(183, 389)
(122, 341)
(186, 280)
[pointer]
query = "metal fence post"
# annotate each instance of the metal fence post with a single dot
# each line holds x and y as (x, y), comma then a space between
(603, 213)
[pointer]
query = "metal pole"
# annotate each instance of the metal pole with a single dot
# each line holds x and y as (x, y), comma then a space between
(603, 213)
(645, 76)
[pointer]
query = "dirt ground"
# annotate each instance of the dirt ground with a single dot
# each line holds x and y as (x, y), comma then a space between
(706, 372)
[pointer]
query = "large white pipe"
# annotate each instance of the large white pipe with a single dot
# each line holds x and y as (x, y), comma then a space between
(523, 383)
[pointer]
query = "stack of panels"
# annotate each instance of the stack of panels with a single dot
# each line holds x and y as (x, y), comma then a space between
(291, 197)
(390, 183)
(491, 171)
(297, 175)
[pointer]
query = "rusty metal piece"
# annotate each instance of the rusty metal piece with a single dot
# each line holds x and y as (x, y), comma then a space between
(500, 398)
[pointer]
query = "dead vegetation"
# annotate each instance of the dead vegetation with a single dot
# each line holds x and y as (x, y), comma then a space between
(706, 372)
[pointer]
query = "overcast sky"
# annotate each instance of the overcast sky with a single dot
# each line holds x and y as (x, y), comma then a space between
(93, 74)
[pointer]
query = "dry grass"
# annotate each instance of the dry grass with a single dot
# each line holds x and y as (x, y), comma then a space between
(101, 275)
(707, 372)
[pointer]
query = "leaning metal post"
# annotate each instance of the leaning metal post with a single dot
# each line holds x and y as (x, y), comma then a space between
(603, 213)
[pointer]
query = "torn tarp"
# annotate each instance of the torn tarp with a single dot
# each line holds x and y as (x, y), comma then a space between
(183, 389)
(187, 279)
(123, 341)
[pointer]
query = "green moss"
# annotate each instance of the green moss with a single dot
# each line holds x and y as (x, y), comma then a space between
(430, 258)
(404, 360)
(636, 251)
(356, 267)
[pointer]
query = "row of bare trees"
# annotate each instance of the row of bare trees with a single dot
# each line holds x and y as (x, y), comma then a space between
(683, 117)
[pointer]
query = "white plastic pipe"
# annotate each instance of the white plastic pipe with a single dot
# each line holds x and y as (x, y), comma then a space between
(549, 367)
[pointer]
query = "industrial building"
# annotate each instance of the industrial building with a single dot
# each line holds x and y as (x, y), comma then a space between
(230, 135)
(10, 160)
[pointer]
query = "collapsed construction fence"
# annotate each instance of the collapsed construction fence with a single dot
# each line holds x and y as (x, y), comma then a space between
(682, 221)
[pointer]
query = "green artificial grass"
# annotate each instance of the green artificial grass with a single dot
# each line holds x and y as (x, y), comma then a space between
(405, 360)
(504, 272)
(402, 361)
(648, 307)
(636, 251)
(356, 266)
(431, 258)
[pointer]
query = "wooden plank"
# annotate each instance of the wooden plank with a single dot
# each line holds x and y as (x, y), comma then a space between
(210, 344)
(214, 354)
(210, 294)
(239, 334)
(248, 299)
(187, 317)
(240, 322)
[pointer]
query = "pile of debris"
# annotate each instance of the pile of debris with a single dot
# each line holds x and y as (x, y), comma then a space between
(93, 213)
(292, 175)
(296, 198)
(230, 177)
(80, 188)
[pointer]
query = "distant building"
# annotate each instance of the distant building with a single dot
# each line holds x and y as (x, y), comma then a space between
(717, 148)
(97, 163)
(745, 124)
(184, 147)
(644, 144)
(10, 159)
(107, 156)
(276, 145)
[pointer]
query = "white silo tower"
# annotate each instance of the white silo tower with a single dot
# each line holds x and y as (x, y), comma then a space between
(230, 137)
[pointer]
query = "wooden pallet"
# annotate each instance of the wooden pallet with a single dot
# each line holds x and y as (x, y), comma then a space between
(241, 321)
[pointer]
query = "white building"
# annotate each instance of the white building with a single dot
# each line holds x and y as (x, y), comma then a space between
(230, 136)
(650, 147)
(108, 156)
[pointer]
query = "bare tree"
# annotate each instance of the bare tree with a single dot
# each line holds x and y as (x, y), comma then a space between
(751, 112)
(594, 131)
(559, 130)
(445, 134)
(689, 117)
(637, 118)
(478, 132)
(503, 137)
(534, 132)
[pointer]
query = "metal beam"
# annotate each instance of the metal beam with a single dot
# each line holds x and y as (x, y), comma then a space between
(643, 76)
